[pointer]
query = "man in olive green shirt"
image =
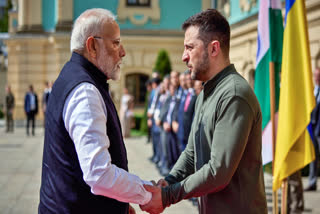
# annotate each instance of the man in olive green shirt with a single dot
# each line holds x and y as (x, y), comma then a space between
(222, 162)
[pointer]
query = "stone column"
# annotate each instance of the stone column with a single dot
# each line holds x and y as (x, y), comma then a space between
(22, 15)
(30, 16)
(65, 15)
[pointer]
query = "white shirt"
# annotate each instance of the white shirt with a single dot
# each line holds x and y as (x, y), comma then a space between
(154, 101)
(316, 89)
(85, 118)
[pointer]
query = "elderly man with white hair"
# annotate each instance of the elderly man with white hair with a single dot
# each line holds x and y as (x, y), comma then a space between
(85, 167)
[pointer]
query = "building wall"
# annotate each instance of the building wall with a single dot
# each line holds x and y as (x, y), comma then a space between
(244, 40)
(36, 58)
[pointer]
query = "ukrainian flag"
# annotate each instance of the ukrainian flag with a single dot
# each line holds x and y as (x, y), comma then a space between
(294, 148)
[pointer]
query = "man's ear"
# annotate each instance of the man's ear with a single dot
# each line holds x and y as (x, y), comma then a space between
(214, 48)
(91, 47)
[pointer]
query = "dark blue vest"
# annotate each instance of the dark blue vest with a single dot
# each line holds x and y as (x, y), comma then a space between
(63, 189)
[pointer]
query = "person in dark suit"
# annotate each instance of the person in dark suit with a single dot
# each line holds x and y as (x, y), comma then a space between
(171, 138)
(148, 100)
(315, 121)
(150, 112)
(45, 99)
(161, 109)
(188, 109)
(9, 109)
(177, 124)
(31, 108)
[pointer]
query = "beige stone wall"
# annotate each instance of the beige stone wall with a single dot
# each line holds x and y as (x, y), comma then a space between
(243, 49)
(36, 59)
(30, 15)
(244, 41)
(33, 60)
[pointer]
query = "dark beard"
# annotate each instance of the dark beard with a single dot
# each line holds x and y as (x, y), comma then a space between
(202, 68)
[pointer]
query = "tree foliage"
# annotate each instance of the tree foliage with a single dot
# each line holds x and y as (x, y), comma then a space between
(4, 20)
(163, 64)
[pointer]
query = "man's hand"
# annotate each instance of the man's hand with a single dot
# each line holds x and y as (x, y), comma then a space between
(162, 183)
(166, 126)
(149, 123)
(155, 204)
(175, 126)
(131, 210)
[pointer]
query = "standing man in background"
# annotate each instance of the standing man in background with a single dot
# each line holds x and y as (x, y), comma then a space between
(85, 166)
(9, 109)
(315, 121)
(45, 99)
(31, 108)
(222, 163)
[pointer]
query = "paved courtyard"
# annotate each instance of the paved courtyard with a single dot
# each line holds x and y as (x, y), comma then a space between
(20, 174)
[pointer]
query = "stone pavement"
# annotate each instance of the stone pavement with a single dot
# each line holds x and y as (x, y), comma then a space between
(20, 174)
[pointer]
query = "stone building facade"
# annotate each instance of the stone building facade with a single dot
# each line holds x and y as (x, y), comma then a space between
(40, 30)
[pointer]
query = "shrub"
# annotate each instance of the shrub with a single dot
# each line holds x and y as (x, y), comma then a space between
(163, 64)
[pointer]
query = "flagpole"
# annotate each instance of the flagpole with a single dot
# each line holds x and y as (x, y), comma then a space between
(284, 196)
(272, 109)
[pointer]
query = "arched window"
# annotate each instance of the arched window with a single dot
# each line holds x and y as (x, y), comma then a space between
(136, 85)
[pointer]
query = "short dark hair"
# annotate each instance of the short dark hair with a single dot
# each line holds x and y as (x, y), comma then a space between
(156, 80)
(212, 26)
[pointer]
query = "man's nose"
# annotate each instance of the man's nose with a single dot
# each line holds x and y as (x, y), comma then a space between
(185, 57)
(122, 51)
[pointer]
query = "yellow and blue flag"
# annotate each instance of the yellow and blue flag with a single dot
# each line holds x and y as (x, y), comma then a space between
(294, 148)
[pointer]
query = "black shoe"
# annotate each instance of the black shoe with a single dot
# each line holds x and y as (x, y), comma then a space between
(311, 188)
(151, 159)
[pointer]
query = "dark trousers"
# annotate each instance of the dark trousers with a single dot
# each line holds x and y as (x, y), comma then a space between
(172, 149)
(295, 194)
(163, 144)
(30, 118)
(156, 131)
(9, 119)
(313, 166)
(149, 135)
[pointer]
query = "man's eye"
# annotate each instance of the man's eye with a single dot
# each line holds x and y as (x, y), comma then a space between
(117, 43)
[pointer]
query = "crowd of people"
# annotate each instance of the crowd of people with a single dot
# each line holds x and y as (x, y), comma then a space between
(31, 107)
(170, 112)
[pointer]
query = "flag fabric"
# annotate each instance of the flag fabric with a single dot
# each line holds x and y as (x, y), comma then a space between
(294, 148)
(269, 43)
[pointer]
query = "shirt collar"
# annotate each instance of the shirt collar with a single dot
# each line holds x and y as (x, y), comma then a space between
(211, 84)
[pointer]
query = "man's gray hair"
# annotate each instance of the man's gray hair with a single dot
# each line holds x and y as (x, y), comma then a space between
(89, 23)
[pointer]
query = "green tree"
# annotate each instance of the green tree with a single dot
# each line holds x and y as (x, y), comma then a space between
(163, 64)
(4, 20)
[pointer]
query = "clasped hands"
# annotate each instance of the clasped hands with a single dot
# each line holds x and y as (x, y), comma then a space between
(155, 204)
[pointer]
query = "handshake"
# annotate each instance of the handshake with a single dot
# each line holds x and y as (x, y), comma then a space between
(155, 204)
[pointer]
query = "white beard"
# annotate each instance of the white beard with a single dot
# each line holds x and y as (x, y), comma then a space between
(112, 71)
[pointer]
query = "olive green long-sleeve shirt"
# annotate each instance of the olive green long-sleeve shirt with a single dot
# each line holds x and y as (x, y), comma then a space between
(222, 162)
